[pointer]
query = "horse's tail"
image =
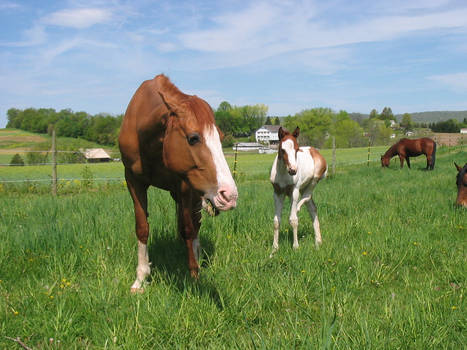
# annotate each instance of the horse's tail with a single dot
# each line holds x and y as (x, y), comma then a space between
(433, 156)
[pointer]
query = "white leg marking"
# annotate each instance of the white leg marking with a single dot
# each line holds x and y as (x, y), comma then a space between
(293, 216)
(278, 203)
(314, 216)
(143, 269)
(196, 248)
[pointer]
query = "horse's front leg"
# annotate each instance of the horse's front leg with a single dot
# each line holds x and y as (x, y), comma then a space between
(401, 158)
(293, 219)
(138, 193)
(189, 222)
(278, 205)
(407, 158)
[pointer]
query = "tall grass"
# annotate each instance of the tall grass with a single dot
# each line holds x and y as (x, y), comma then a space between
(389, 275)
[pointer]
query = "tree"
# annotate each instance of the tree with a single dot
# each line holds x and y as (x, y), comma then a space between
(406, 122)
(268, 121)
(16, 160)
(386, 114)
(276, 121)
(315, 125)
(374, 114)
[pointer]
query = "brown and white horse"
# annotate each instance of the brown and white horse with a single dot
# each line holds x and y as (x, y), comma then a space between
(295, 173)
(461, 182)
(169, 140)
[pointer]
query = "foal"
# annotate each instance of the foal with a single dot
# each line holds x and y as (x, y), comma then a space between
(295, 173)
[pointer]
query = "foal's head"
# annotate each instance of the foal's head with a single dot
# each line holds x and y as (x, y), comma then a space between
(461, 182)
(192, 147)
(288, 148)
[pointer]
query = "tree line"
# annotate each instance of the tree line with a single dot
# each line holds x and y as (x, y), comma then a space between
(99, 128)
(317, 124)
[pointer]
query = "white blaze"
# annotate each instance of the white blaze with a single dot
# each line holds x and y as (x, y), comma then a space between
(223, 175)
(288, 147)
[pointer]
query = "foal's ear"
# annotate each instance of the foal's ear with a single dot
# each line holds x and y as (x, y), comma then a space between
(458, 167)
(296, 132)
(281, 133)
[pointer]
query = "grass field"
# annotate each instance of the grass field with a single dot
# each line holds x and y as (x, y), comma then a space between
(390, 274)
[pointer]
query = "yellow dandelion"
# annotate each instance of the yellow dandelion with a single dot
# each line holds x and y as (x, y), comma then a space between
(68, 284)
(364, 253)
(303, 271)
(16, 313)
(453, 307)
(369, 232)
(62, 286)
(63, 280)
(51, 296)
(415, 243)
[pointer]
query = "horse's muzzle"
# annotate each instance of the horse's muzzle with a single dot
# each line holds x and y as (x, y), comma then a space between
(226, 198)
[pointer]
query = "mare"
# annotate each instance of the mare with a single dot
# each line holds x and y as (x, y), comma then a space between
(406, 148)
(169, 140)
(295, 173)
(461, 182)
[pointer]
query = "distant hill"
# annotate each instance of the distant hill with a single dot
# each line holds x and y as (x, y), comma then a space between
(435, 116)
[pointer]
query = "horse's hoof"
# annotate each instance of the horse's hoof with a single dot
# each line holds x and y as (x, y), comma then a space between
(295, 247)
(137, 290)
(194, 274)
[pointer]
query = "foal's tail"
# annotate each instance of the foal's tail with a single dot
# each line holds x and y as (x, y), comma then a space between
(433, 157)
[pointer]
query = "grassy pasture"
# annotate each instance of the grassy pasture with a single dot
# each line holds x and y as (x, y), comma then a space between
(390, 274)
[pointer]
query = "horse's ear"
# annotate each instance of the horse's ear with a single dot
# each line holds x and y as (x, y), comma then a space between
(458, 167)
(296, 132)
(171, 106)
(281, 133)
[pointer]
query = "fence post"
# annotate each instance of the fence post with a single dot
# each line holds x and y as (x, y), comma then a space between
(54, 165)
(369, 144)
(235, 162)
(333, 155)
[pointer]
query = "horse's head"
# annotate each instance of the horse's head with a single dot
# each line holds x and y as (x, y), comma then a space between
(461, 182)
(193, 150)
(288, 148)
(384, 161)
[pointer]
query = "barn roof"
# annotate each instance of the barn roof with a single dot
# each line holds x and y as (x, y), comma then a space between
(96, 153)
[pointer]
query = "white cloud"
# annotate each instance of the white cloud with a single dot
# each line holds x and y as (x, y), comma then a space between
(455, 81)
(78, 18)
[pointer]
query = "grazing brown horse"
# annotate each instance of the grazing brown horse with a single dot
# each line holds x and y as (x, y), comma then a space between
(406, 148)
(461, 182)
(169, 140)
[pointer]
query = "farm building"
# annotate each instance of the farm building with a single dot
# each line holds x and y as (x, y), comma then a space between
(95, 155)
(248, 146)
(267, 133)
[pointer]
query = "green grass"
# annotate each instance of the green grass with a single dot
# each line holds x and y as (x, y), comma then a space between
(389, 275)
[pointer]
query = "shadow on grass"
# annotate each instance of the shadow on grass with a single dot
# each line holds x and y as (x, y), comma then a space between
(169, 260)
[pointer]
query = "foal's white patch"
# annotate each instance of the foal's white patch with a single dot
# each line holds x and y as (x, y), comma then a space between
(288, 147)
(213, 142)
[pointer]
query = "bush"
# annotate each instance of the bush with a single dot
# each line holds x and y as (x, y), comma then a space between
(17, 160)
(228, 141)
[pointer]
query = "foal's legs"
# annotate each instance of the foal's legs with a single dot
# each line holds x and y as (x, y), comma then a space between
(138, 193)
(314, 216)
(293, 219)
(278, 204)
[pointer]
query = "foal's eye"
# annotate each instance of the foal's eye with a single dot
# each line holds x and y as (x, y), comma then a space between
(193, 138)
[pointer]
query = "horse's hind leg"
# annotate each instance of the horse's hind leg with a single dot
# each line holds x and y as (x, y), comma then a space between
(314, 216)
(138, 193)
(278, 205)
(408, 161)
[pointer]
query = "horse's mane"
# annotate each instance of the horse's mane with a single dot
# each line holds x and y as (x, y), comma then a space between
(391, 151)
(199, 107)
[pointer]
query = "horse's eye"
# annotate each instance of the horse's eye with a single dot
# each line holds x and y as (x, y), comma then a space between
(193, 138)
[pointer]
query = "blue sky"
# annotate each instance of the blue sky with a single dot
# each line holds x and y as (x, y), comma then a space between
(289, 55)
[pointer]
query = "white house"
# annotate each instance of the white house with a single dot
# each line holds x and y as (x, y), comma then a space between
(247, 146)
(464, 131)
(268, 134)
(93, 155)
